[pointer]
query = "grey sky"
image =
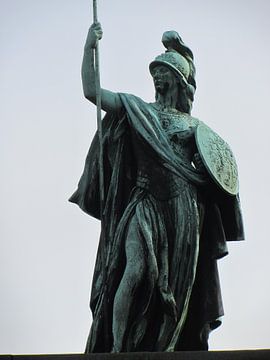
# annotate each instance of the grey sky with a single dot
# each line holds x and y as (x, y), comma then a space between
(47, 245)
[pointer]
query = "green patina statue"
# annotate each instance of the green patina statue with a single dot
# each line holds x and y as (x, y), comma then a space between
(171, 203)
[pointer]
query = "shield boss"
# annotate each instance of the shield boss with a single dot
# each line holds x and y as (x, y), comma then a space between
(218, 159)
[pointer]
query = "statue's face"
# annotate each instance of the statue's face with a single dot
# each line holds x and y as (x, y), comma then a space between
(164, 79)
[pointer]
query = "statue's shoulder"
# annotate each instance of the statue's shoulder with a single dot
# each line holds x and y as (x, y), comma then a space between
(132, 99)
(193, 122)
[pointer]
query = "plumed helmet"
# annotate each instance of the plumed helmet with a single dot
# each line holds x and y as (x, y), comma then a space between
(177, 57)
(174, 61)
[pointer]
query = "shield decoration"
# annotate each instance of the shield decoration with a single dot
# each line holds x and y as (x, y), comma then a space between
(218, 159)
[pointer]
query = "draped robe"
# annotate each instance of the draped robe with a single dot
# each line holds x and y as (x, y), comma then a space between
(183, 221)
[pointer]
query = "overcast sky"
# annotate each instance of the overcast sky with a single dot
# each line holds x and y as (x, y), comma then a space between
(48, 245)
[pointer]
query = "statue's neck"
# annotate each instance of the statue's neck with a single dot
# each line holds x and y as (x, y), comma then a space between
(167, 100)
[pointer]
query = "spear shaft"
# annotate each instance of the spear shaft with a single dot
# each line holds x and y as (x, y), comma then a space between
(99, 125)
(101, 178)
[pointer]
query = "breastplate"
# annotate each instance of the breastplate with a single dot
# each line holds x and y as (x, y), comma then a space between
(151, 175)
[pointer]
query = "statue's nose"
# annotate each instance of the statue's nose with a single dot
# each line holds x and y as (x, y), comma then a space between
(157, 75)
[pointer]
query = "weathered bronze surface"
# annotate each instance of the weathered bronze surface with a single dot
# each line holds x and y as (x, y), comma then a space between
(218, 159)
(165, 221)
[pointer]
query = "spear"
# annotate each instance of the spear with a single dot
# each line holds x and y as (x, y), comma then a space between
(101, 174)
(99, 126)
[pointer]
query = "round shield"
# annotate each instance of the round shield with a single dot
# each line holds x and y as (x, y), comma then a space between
(218, 159)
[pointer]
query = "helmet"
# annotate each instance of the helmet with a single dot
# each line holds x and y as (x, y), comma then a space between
(174, 61)
(178, 57)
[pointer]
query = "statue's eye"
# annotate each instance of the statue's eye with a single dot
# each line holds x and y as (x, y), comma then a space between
(163, 70)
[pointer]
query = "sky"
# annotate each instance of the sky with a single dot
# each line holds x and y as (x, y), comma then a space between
(48, 246)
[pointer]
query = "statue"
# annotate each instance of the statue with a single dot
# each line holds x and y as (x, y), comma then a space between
(171, 203)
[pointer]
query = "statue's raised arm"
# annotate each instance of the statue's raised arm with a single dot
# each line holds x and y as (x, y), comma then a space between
(110, 101)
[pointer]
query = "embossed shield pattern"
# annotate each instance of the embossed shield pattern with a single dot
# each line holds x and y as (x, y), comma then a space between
(218, 159)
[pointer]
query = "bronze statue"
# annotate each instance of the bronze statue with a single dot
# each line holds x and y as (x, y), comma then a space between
(171, 203)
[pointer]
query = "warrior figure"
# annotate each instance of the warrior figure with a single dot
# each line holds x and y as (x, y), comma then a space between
(165, 220)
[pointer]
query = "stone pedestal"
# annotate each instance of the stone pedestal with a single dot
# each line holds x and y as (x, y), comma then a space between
(183, 355)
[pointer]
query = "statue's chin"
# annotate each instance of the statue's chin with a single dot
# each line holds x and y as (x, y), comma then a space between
(160, 89)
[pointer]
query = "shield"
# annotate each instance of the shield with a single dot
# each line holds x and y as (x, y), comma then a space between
(218, 159)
